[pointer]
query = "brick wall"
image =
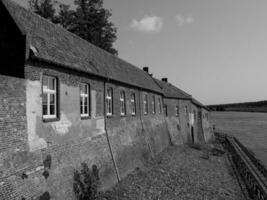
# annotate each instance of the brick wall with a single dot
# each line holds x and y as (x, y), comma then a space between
(13, 139)
(135, 138)
(173, 120)
(208, 135)
(184, 119)
(197, 125)
(28, 142)
(70, 140)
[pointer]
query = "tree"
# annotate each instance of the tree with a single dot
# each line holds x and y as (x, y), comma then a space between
(92, 24)
(44, 8)
(89, 20)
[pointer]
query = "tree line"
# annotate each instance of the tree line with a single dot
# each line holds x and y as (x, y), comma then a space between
(259, 106)
(89, 20)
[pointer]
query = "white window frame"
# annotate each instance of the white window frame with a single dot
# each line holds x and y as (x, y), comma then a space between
(153, 105)
(109, 102)
(159, 104)
(49, 92)
(145, 101)
(133, 104)
(122, 103)
(83, 97)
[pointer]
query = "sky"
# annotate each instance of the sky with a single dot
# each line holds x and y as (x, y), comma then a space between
(215, 50)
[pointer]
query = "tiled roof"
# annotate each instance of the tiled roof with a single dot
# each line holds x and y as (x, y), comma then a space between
(170, 91)
(197, 103)
(55, 44)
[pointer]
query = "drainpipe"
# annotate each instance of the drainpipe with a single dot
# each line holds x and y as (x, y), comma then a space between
(109, 145)
(166, 124)
(143, 129)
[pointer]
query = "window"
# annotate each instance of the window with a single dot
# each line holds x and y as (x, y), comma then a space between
(122, 103)
(159, 104)
(133, 105)
(84, 100)
(195, 115)
(165, 110)
(186, 110)
(153, 105)
(109, 103)
(49, 97)
(145, 104)
(177, 111)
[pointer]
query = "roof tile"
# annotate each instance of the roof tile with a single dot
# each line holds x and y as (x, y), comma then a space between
(55, 44)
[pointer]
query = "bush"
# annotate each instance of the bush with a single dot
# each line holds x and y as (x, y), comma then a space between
(86, 182)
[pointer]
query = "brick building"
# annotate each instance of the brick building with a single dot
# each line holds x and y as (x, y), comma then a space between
(65, 101)
(185, 116)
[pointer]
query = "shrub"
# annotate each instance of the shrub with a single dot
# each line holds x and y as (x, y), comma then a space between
(86, 182)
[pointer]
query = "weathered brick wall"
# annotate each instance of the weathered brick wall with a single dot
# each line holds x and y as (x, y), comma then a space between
(70, 140)
(208, 135)
(173, 121)
(13, 140)
(39, 157)
(184, 120)
(135, 138)
(197, 124)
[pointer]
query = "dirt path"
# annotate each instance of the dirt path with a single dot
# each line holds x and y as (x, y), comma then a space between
(179, 173)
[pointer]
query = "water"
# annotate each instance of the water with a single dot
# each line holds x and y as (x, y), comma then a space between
(249, 128)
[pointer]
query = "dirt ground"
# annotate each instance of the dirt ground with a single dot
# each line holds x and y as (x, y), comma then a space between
(179, 173)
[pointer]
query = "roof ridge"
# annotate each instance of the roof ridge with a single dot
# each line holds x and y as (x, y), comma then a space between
(68, 32)
(75, 52)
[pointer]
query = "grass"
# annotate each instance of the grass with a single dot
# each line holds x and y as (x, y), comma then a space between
(249, 128)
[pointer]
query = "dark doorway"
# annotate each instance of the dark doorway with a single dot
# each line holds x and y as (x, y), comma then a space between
(192, 135)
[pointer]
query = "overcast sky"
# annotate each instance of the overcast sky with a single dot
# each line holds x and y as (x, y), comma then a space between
(215, 50)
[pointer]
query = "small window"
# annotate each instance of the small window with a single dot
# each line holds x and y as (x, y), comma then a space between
(159, 105)
(49, 97)
(84, 100)
(153, 105)
(133, 104)
(122, 103)
(195, 115)
(145, 104)
(186, 110)
(165, 110)
(177, 111)
(109, 102)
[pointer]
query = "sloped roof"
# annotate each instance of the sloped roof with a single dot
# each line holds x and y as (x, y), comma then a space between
(197, 103)
(55, 44)
(170, 91)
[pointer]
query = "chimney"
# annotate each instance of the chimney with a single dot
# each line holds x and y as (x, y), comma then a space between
(165, 80)
(146, 69)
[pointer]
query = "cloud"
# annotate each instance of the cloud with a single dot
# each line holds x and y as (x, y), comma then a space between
(148, 24)
(184, 20)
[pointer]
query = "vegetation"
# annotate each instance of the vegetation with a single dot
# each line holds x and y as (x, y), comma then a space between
(89, 20)
(260, 106)
(86, 182)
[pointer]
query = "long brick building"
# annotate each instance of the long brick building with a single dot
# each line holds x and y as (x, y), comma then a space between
(64, 101)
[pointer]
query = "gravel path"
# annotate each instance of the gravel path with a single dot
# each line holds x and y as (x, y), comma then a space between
(179, 173)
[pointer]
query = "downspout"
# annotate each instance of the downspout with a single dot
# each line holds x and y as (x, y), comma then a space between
(166, 123)
(142, 124)
(109, 145)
